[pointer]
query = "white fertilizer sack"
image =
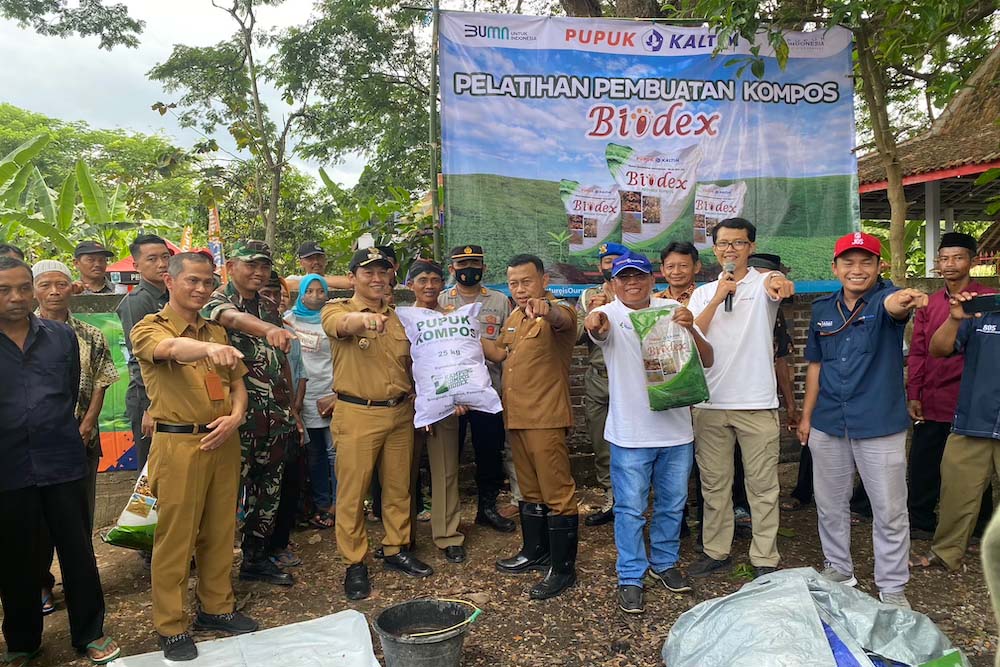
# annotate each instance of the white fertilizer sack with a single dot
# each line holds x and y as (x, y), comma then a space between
(449, 368)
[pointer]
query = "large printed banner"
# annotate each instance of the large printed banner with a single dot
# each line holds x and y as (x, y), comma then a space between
(561, 134)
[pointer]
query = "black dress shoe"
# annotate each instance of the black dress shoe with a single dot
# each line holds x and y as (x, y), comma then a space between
(455, 554)
(266, 571)
(178, 647)
(356, 584)
(233, 623)
(408, 564)
(488, 516)
(600, 518)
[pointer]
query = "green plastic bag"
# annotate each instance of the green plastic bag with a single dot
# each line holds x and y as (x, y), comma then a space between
(137, 522)
(674, 376)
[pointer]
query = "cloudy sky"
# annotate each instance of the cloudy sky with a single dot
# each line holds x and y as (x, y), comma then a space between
(72, 79)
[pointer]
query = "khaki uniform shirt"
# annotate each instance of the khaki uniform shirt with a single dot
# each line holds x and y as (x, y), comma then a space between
(536, 372)
(177, 391)
(595, 353)
(373, 366)
(495, 311)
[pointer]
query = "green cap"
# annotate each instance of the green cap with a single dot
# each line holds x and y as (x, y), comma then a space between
(249, 251)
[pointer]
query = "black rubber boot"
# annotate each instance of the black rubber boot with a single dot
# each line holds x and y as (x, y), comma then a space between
(563, 532)
(488, 515)
(534, 553)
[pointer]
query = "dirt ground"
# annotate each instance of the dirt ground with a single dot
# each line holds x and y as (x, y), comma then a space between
(581, 628)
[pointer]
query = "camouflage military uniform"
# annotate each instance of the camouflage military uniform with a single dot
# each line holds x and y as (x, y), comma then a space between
(269, 427)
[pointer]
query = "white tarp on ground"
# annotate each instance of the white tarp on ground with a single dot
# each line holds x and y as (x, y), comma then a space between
(777, 621)
(341, 640)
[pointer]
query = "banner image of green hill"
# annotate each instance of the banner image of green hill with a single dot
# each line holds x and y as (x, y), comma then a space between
(797, 218)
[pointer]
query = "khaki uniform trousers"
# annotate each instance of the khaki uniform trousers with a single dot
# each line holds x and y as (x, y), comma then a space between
(966, 469)
(196, 493)
(595, 409)
(442, 453)
(366, 437)
(716, 432)
(543, 470)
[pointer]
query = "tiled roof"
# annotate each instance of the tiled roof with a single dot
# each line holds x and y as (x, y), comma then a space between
(966, 133)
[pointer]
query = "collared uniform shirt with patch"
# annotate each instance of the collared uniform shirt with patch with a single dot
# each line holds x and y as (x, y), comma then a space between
(373, 366)
(536, 371)
(178, 392)
(861, 373)
(978, 411)
(268, 394)
(595, 353)
(495, 311)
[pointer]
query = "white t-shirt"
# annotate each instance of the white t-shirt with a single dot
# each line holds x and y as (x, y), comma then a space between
(630, 422)
(318, 366)
(742, 377)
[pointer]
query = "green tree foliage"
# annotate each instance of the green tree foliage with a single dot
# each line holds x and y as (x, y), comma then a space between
(87, 18)
(897, 44)
(117, 158)
(220, 85)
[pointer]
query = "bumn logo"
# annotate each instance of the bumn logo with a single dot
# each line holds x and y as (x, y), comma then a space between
(652, 40)
(487, 31)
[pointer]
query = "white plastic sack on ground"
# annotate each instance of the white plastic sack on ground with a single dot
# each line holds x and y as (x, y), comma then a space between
(449, 368)
(778, 621)
(137, 522)
(341, 640)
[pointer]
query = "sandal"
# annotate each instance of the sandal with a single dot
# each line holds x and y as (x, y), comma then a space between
(321, 520)
(792, 504)
(18, 658)
(102, 651)
(48, 605)
(930, 562)
(286, 559)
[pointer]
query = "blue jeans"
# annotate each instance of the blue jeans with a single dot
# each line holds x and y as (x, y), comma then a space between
(633, 471)
(321, 456)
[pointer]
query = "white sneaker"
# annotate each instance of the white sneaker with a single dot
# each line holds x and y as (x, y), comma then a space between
(836, 577)
(895, 599)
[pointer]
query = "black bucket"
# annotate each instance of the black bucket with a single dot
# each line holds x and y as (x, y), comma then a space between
(423, 633)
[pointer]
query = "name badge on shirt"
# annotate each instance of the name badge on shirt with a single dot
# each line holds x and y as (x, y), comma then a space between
(308, 340)
(213, 385)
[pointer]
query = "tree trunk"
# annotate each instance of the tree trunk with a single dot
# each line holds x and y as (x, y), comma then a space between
(873, 89)
(642, 9)
(274, 200)
(581, 7)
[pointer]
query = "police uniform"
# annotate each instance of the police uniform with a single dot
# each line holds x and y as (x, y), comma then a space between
(196, 490)
(596, 396)
(372, 424)
(487, 429)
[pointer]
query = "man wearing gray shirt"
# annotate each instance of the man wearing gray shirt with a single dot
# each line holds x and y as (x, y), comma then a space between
(467, 268)
(151, 256)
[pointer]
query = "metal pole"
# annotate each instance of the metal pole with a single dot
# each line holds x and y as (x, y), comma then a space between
(433, 132)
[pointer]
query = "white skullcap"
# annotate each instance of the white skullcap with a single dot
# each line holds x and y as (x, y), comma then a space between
(47, 265)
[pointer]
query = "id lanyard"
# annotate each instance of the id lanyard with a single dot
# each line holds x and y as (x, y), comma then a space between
(848, 321)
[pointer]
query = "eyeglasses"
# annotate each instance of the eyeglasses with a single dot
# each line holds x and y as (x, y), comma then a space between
(726, 245)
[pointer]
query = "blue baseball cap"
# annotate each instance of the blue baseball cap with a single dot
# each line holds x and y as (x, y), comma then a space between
(611, 249)
(631, 260)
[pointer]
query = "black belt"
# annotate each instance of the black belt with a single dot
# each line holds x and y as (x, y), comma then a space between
(391, 403)
(182, 428)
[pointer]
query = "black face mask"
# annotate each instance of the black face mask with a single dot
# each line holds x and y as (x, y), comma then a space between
(469, 275)
(607, 275)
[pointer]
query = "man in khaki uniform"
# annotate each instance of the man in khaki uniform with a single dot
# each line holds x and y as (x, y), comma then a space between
(595, 381)
(536, 345)
(372, 420)
(194, 380)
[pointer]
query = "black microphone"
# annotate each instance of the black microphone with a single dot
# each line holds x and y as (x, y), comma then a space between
(729, 268)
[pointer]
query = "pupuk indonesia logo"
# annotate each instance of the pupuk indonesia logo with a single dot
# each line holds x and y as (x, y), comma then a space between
(652, 40)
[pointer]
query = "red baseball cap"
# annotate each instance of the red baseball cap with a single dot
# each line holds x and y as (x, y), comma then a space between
(857, 241)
